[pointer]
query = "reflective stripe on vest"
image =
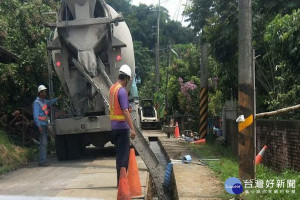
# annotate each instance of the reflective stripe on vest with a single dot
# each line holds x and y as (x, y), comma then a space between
(44, 108)
(43, 118)
(116, 113)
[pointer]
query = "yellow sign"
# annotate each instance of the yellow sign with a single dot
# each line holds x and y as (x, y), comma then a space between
(248, 121)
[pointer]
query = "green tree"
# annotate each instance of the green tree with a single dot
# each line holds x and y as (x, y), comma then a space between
(183, 72)
(217, 21)
(22, 33)
(122, 6)
(282, 38)
(144, 61)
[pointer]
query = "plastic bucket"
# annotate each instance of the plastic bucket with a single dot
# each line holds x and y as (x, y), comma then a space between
(187, 159)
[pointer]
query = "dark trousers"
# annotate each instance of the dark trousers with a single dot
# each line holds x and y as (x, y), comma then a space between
(122, 145)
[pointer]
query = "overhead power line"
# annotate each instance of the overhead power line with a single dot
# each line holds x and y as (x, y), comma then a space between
(177, 11)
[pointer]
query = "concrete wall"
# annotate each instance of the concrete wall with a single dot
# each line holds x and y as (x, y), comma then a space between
(231, 138)
(230, 111)
(282, 138)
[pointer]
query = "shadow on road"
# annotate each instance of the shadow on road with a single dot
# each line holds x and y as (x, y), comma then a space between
(89, 155)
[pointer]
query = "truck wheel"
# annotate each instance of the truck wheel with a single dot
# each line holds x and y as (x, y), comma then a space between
(60, 147)
(73, 147)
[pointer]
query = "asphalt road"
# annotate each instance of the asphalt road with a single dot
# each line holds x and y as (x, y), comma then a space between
(92, 177)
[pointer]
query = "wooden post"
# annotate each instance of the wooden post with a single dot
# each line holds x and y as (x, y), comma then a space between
(246, 96)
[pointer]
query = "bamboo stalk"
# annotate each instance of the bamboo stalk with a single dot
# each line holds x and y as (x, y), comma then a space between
(278, 111)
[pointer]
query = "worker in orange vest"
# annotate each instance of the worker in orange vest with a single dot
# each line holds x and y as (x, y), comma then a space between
(121, 122)
(41, 119)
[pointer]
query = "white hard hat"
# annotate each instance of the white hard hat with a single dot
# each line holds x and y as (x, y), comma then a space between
(41, 87)
(125, 69)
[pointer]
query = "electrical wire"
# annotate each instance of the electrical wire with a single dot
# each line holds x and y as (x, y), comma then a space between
(185, 5)
(177, 11)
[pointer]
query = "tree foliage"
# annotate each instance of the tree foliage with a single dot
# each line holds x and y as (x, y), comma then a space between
(274, 37)
(22, 33)
(142, 22)
(282, 39)
(216, 23)
(184, 84)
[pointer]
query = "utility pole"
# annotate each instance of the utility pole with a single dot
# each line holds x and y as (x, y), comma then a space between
(246, 139)
(254, 106)
(167, 82)
(204, 91)
(157, 52)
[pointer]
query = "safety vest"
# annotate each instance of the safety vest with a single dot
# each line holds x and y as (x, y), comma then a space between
(44, 109)
(116, 113)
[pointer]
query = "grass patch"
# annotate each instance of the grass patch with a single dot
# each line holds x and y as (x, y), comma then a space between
(12, 156)
(265, 174)
(228, 166)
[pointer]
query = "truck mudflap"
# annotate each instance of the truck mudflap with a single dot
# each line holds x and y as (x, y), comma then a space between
(102, 84)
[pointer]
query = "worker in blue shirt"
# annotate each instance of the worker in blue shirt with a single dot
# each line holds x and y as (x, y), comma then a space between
(41, 119)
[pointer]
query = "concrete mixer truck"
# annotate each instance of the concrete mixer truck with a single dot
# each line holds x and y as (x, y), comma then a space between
(90, 42)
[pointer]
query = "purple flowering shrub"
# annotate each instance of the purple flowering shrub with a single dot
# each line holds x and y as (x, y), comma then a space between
(187, 96)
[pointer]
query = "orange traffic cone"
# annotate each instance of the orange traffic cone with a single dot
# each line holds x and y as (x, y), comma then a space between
(133, 176)
(123, 189)
(201, 141)
(260, 155)
(176, 134)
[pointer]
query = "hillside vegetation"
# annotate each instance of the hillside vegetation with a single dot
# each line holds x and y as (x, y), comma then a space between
(12, 156)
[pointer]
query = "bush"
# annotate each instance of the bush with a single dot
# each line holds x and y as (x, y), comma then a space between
(11, 155)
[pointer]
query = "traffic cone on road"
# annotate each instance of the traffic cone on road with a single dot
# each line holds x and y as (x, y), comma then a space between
(260, 155)
(133, 176)
(123, 189)
(201, 141)
(176, 133)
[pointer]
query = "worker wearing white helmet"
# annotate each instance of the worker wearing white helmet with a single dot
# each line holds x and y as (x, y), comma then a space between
(125, 69)
(41, 117)
(121, 122)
